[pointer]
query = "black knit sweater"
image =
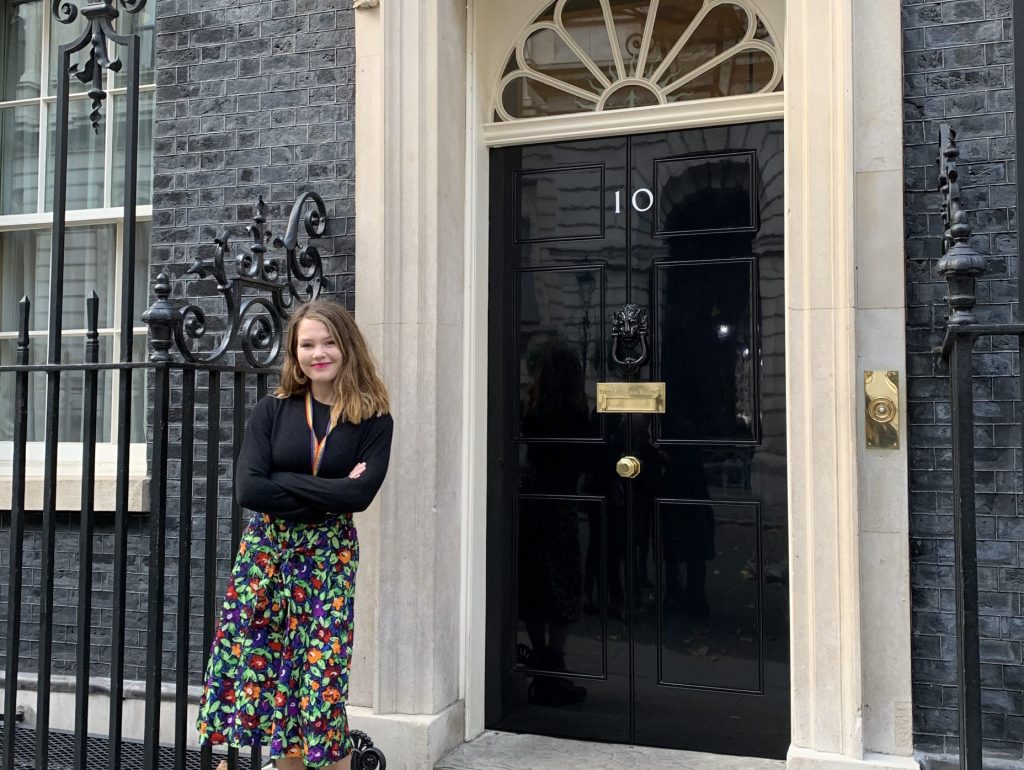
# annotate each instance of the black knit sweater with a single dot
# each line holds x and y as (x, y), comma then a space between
(274, 472)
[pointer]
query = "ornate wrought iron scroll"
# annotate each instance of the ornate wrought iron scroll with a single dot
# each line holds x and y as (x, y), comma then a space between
(366, 756)
(255, 320)
(629, 328)
(97, 37)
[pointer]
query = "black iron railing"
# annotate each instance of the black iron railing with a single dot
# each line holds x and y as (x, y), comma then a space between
(250, 329)
(961, 266)
(97, 40)
(196, 357)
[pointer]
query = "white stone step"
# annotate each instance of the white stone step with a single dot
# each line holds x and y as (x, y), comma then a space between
(508, 751)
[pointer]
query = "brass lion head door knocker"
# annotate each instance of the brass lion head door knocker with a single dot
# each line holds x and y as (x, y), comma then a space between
(629, 332)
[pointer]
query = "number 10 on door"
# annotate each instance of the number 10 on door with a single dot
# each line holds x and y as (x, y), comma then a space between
(642, 200)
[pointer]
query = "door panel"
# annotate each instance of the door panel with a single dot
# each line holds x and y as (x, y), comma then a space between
(706, 193)
(579, 523)
(542, 218)
(688, 532)
(559, 627)
(651, 609)
(705, 343)
(549, 311)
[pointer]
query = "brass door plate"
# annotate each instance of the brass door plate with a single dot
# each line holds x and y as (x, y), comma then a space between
(882, 409)
(631, 397)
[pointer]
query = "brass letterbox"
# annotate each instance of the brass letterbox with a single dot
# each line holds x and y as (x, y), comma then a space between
(631, 397)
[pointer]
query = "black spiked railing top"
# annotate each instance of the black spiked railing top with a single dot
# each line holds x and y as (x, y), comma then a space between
(961, 264)
(97, 36)
(949, 185)
(257, 302)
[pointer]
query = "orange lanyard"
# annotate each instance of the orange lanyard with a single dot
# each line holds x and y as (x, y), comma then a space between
(316, 446)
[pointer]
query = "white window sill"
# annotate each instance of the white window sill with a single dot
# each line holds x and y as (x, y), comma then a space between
(69, 493)
(69, 478)
(100, 216)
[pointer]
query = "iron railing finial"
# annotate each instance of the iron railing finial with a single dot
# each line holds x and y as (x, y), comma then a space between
(163, 320)
(961, 264)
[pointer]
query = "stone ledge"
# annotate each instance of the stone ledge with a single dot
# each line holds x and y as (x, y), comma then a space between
(100, 685)
(69, 492)
(808, 759)
(992, 761)
(63, 704)
(508, 751)
(412, 741)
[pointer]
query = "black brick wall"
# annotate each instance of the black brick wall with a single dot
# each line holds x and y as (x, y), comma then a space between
(958, 69)
(253, 98)
(65, 593)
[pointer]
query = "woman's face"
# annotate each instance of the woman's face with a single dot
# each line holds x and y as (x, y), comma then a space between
(317, 353)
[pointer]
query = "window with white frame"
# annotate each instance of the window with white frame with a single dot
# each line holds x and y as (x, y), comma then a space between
(29, 40)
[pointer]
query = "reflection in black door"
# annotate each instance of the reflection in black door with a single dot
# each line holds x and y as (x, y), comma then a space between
(650, 609)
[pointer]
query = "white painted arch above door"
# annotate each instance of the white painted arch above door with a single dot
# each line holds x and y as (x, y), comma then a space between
(579, 68)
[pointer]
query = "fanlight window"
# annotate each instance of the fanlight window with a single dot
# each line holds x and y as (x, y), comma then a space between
(594, 55)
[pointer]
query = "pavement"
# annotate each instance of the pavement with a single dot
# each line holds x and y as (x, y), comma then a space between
(507, 751)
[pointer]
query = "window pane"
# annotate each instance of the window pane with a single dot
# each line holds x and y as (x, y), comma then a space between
(674, 17)
(746, 73)
(143, 297)
(546, 52)
(722, 28)
(147, 100)
(85, 156)
(72, 392)
(23, 266)
(525, 97)
(140, 23)
(584, 20)
(19, 159)
(66, 33)
(89, 264)
(140, 352)
(21, 40)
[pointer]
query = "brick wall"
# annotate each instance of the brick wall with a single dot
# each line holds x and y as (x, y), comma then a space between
(65, 594)
(253, 98)
(958, 69)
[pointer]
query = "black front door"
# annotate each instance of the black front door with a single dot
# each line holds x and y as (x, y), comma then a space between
(649, 608)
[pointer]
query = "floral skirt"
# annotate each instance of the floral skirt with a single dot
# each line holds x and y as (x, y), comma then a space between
(278, 671)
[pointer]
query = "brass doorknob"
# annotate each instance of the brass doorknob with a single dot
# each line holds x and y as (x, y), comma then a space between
(628, 467)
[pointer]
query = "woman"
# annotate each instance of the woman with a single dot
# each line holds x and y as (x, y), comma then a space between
(314, 453)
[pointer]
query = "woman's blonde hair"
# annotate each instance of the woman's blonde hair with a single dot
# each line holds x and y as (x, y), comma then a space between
(359, 392)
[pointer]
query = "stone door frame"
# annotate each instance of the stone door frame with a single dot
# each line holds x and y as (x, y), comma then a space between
(422, 241)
